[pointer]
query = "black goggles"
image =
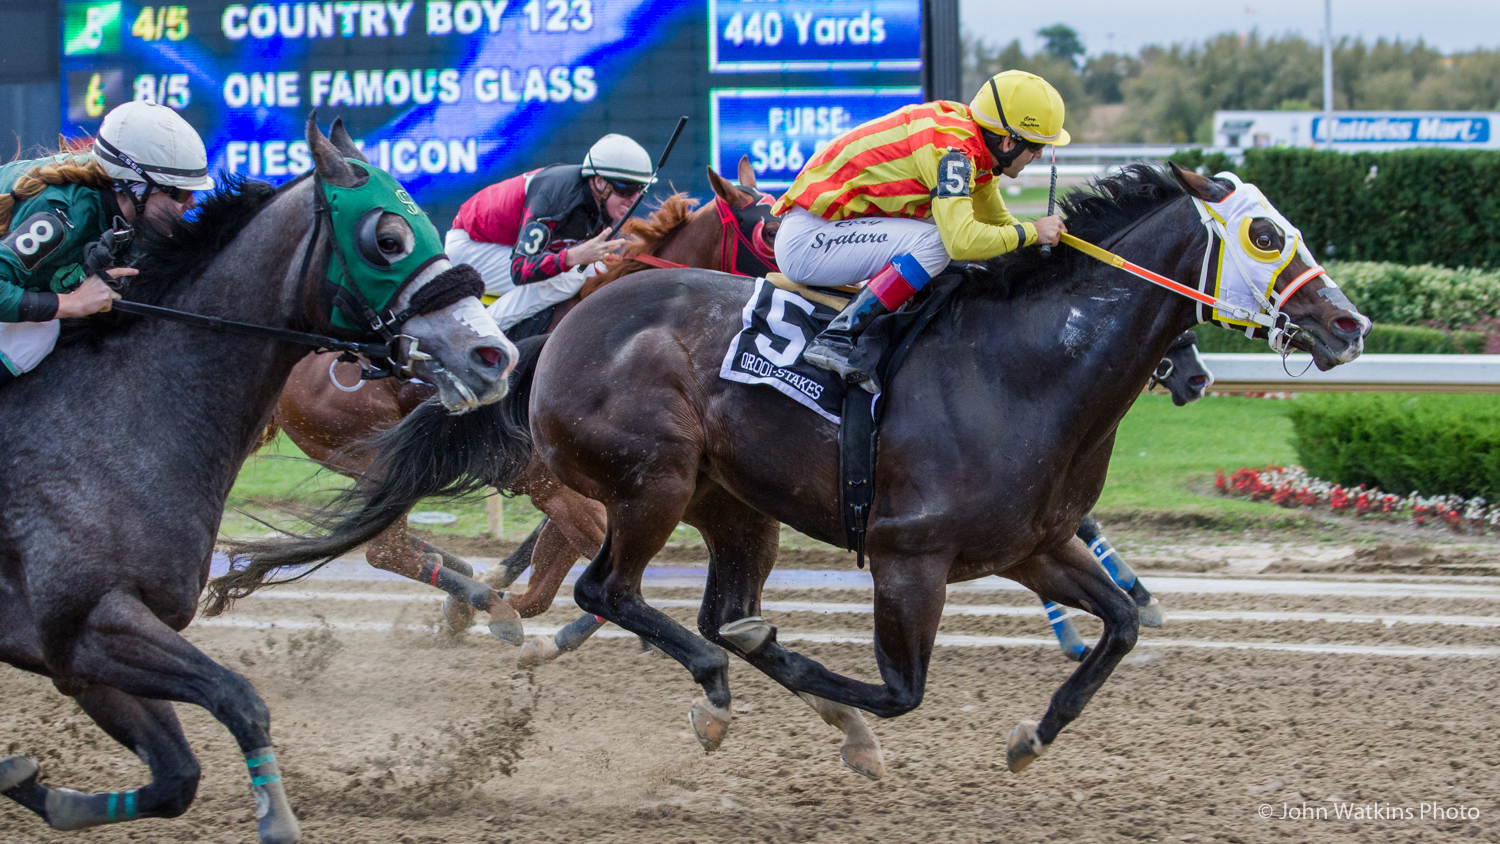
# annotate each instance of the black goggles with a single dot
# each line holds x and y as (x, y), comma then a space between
(177, 195)
(623, 188)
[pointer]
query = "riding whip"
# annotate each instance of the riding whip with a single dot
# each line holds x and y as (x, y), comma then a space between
(681, 122)
(1051, 197)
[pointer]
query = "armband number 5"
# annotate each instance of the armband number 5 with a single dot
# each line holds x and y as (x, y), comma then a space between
(954, 172)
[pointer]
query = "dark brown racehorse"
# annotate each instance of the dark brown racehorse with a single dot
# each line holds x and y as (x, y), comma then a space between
(994, 445)
(735, 232)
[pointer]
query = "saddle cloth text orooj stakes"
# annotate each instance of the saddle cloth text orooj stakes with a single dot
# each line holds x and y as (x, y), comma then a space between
(777, 325)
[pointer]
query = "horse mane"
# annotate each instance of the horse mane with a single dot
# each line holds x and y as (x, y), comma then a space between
(646, 237)
(1106, 207)
(177, 254)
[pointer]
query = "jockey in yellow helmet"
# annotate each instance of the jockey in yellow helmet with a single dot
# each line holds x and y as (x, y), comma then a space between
(896, 199)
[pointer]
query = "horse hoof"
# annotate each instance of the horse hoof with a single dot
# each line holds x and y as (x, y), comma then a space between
(864, 757)
(538, 650)
(459, 615)
(510, 631)
(710, 723)
(1151, 614)
(1023, 747)
(279, 828)
(748, 634)
(15, 770)
(505, 622)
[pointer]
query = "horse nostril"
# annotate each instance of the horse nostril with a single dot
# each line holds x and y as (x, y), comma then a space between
(1198, 382)
(1347, 325)
(490, 355)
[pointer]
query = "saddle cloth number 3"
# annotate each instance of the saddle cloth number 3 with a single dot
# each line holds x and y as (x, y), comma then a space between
(795, 337)
(35, 238)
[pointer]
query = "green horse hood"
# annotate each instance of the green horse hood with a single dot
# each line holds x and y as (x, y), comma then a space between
(359, 268)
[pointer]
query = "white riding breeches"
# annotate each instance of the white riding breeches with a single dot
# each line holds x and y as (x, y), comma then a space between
(813, 251)
(23, 345)
(516, 301)
(526, 300)
(492, 260)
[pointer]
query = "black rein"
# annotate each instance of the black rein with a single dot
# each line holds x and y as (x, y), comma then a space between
(374, 351)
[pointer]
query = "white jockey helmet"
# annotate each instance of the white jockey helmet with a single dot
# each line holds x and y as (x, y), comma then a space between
(618, 157)
(145, 142)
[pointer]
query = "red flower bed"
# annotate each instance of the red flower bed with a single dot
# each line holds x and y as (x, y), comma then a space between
(1292, 487)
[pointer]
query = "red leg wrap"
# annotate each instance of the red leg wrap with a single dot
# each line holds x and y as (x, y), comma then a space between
(890, 287)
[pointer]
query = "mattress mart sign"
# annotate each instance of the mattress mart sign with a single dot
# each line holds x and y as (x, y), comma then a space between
(1358, 130)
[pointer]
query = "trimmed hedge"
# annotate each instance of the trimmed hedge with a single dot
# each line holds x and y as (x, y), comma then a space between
(1435, 444)
(1414, 206)
(1383, 340)
(1392, 293)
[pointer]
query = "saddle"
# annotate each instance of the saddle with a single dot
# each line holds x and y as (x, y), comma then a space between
(833, 297)
(886, 343)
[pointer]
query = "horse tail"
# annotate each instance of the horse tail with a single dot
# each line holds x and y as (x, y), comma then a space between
(431, 452)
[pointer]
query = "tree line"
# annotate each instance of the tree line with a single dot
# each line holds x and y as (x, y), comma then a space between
(1169, 94)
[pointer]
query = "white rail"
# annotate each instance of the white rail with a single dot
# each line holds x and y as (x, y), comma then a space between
(1247, 373)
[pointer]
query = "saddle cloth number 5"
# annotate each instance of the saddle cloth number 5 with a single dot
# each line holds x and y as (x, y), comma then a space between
(796, 339)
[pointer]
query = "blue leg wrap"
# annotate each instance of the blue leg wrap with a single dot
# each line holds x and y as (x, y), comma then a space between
(1118, 569)
(1062, 627)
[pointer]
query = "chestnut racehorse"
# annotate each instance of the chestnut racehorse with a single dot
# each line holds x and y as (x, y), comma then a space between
(734, 233)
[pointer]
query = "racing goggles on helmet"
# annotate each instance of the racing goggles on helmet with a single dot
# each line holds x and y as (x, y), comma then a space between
(624, 188)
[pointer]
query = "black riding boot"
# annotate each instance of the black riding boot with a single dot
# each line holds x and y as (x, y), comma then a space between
(832, 347)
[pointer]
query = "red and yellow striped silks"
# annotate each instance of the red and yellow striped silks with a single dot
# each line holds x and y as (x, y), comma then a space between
(888, 167)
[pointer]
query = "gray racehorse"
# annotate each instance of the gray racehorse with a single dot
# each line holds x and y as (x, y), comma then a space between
(121, 448)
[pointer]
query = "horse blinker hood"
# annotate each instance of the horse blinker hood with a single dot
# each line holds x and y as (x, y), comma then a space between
(366, 282)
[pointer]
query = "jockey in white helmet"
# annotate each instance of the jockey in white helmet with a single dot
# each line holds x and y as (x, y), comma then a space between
(534, 238)
(145, 164)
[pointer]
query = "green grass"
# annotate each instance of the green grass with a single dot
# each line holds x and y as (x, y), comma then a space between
(279, 481)
(1164, 461)
(1165, 456)
(1027, 194)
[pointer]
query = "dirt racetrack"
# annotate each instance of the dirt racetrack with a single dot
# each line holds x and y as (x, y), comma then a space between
(387, 732)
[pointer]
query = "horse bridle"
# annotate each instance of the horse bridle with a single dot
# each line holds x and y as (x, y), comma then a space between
(1166, 367)
(447, 287)
(759, 260)
(732, 259)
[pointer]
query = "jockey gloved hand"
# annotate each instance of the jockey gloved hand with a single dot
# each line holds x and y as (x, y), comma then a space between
(91, 297)
(1048, 229)
(594, 249)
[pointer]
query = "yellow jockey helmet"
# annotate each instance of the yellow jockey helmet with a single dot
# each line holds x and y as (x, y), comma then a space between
(1019, 103)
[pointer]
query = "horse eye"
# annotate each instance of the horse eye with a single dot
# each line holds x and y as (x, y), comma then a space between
(1264, 241)
(390, 245)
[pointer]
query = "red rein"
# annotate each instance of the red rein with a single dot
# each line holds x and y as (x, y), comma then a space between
(730, 239)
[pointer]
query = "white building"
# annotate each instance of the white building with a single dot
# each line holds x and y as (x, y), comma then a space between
(1353, 131)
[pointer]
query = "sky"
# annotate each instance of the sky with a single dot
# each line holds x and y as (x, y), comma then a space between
(1125, 26)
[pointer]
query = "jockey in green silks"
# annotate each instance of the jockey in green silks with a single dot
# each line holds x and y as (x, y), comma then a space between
(145, 163)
